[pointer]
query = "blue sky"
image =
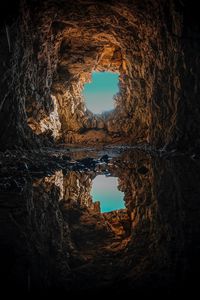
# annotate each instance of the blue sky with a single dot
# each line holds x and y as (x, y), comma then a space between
(99, 93)
(104, 189)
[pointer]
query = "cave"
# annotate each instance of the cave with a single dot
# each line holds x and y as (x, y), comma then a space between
(54, 145)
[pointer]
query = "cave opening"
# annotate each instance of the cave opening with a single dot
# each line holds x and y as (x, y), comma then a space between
(99, 93)
(105, 190)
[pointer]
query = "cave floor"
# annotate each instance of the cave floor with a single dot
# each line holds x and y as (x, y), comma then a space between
(54, 236)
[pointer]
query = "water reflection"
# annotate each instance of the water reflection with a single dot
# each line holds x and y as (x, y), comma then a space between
(104, 190)
(53, 234)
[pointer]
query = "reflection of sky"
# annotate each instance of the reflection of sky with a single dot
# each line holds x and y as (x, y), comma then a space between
(99, 93)
(104, 189)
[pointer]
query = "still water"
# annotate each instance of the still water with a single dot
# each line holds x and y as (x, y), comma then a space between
(53, 233)
(104, 190)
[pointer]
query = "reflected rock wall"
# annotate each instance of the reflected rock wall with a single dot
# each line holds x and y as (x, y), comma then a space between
(54, 239)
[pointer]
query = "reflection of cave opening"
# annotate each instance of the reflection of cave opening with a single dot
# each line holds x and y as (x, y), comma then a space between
(104, 190)
(99, 92)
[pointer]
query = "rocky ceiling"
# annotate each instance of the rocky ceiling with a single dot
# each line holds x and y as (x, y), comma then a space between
(49, 49)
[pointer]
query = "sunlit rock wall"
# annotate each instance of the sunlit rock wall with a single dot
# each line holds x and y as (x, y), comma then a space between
(49, 49)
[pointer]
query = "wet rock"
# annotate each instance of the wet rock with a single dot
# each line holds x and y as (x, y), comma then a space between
(68, 158)
(88, 162)
(104, 158)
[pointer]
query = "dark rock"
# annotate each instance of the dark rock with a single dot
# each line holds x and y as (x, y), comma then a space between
(104, 158)
(22, 166)
(66, 158)
(88, 162)
(142, 170)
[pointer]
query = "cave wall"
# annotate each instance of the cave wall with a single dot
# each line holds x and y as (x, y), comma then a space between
(22, 81)
(50, 48)
(77, 187)
(159, 196)
(51, 241)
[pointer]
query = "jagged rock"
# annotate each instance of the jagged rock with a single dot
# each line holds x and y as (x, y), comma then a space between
(53, 231)
(56, 47)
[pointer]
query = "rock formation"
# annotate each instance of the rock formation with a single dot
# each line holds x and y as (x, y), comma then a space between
(50, 48)
(53, 237)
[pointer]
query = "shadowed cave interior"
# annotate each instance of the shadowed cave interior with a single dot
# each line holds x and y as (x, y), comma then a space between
(54, 146)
